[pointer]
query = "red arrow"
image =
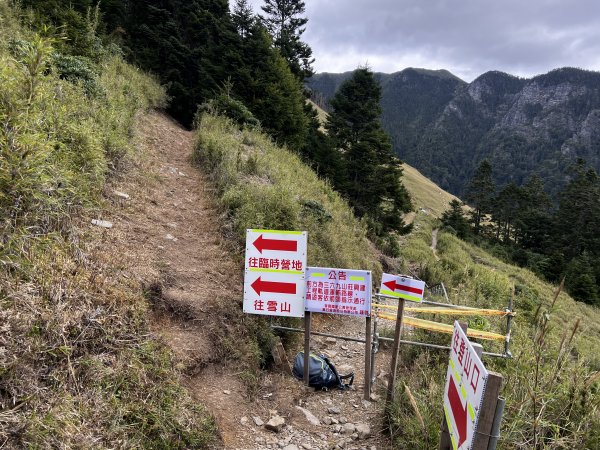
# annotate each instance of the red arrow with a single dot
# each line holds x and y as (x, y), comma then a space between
(273, 286)
(275, 244)
(402, 287)
(459, 412)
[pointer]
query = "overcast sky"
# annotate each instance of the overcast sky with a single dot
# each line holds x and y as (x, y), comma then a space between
(466, 37)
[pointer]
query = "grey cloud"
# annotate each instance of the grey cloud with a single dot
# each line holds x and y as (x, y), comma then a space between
(467, 37)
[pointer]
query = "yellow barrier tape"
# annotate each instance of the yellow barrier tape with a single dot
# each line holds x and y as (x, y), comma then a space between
(451, 311)
(444, 328)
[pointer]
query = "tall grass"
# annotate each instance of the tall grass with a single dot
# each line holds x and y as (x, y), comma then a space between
(268, 187)
(78, 368)
(261, 185)
(552, 383)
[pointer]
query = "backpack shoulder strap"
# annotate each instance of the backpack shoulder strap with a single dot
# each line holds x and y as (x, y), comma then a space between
(341, 384)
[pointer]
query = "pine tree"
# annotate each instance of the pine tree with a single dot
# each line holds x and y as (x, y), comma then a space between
(272, 92)
(283, 19)
(480, 192)
(243, 17)
(320, 153)
(191, 44)
(533, 223)
(456, 220)
(505, 209)
(577, 219)
(373, 186)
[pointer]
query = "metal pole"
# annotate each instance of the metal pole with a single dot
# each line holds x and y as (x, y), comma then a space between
(495, 433)
(395, 352)
(445, 293)
(316, 333)
(367, 392)
(440, 347)
(374, 351)
(381, 338)
(306, 347)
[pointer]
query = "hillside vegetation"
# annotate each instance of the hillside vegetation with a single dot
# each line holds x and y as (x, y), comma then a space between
(78, 368)
(551, 384)
(269, 187)
(445, 127)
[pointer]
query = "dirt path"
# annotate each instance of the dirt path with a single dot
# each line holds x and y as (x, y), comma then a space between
(434, 236)
(167, 237)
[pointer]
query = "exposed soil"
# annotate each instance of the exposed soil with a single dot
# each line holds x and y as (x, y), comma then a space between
(167, 237)
(434, 240)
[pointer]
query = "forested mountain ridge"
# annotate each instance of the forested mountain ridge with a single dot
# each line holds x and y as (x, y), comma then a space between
(522, 126)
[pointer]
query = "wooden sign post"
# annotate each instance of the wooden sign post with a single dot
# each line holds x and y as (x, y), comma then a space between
(470, 398)
(395, 352)
(403, 288)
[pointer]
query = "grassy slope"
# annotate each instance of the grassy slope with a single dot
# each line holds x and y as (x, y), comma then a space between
(565, 383)
(424, 192)
(78, 368)
(264, 186)
(555, 406)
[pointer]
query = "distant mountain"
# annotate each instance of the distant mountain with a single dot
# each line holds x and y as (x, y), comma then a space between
(446, 127)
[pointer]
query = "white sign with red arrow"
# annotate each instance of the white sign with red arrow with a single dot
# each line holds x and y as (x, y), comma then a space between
(275, 268)
(466, 381)
(402, 287)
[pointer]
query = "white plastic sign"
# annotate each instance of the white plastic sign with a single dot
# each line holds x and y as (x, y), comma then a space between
(275, 267)
(338, 291)
(466, 381)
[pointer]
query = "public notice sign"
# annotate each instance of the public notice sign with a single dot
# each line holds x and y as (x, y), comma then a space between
(400, 286)
(275, 268)
(338, 291)
(466, 381)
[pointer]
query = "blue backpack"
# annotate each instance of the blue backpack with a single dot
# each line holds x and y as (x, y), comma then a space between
(322, 374)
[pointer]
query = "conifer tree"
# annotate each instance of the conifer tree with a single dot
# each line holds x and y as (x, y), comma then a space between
(533, 223)
(272, 92)
(320, 153)
(283, 19)
(455, 219)
(505, 209)
(243, 17)
(373, 186)
(480, 192)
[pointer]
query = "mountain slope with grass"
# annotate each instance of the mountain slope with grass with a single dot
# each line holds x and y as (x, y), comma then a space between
(78, 365)
(554, 405)
(551, 383)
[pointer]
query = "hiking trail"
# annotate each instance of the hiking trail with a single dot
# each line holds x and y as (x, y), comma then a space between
(167, 238)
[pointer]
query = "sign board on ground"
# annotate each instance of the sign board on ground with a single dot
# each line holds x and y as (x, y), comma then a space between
(466, 381)
(275, 268)
(338, 291)
(400, 286)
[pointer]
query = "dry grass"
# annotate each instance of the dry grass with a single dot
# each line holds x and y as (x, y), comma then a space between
(551, 385)
(78, 366)
(425, 194)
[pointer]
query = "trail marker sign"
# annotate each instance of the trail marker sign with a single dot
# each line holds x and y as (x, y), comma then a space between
(466, 381)
(402, 287)
(338, 291)
(275, 268)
